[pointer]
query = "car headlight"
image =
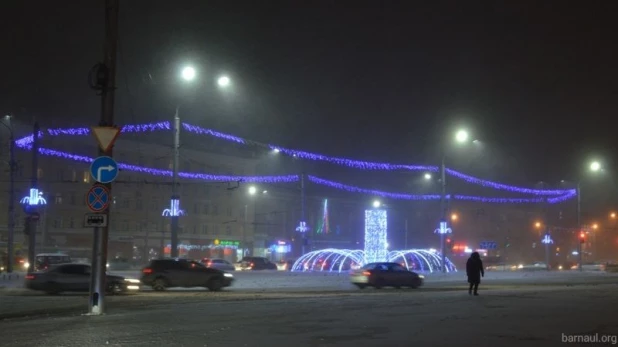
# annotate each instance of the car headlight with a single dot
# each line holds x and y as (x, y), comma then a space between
(228, 275)
(421, 276)
(520, 266)
(132, 280)
(26, 265)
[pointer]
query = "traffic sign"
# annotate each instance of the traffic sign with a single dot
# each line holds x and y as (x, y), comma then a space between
(97, 198)
(104, 169)
(95, 220)
(106, 136)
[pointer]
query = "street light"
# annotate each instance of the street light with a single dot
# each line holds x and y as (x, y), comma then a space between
(462, 136)
(595, 226)
(454, 217)
(427, 176)
(595, 166)
(252, 190)
(223, 81)
(537, 225)
(612, 215)
(188, 73)
(377, 204)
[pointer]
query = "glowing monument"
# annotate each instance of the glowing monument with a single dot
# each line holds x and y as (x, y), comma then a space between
(376, 250)
(375, 236)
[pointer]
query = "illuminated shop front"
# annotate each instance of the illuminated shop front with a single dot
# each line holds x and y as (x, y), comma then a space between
(212, 249)
(279, 250)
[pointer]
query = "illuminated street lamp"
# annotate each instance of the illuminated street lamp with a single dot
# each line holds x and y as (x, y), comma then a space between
(612, 215)
(454, 217)
(252, 190)
(595, 166)
(188, 73)
(377, 204)
(461, 136)
(537, 225)
(427, 176)
(223, 81)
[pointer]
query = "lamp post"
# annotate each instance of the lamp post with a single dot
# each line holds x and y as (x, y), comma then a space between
(188, 74)
(461, 136)
(11, 205)
(252, 192)
(595, 166)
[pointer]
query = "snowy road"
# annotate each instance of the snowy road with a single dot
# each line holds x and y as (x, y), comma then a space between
(513, 310)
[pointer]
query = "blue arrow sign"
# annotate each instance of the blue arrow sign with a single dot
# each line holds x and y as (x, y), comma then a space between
(104, 170)
(98, 198)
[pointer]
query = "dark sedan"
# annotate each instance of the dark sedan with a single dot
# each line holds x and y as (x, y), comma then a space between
(165, 273)
(75, 278)
(379, 275)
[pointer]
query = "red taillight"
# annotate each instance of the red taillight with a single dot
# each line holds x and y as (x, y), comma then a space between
(366, 273)
(209, 264)
(251, 265)
(147, 270)
(29, 277)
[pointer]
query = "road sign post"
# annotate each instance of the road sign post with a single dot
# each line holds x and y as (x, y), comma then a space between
(106, 86)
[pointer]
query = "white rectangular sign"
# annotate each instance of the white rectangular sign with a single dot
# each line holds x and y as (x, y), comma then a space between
(95, 220)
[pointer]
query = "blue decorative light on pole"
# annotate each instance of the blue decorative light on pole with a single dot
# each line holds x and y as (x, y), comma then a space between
(174, 210)
(34, 199)
(302, 227)
(547, 240)
(443, 229)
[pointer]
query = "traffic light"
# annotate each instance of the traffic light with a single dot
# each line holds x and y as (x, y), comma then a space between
(448, 240)
(582, 237)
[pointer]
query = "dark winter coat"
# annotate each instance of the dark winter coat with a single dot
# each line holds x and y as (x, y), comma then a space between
(474, 268)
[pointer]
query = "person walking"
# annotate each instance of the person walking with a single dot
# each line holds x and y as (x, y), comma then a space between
(474, 270)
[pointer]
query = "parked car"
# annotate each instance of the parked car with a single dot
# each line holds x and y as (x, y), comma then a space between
(75, 278)
(161, 274)
(379, 275)
(255, 263)
(219, 264)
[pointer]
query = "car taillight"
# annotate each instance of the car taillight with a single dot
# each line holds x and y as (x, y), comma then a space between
(147, 270)
(366, 273)
(251, 265)
(29, 277)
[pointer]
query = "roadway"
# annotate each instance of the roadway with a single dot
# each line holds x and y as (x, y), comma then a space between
(283, 309)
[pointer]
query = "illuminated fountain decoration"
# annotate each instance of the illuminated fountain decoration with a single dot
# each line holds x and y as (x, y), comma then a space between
(376, 250)
(35, 198)
(174, 209)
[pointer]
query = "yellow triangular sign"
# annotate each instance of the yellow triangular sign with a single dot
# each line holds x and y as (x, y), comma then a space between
(106, 136)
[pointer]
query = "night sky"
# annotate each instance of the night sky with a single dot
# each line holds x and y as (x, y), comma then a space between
(378, 80)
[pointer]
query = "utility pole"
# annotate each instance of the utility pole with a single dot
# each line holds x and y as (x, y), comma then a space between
(12, 167)
(108, 79)
(302, 211)
(31, 224)
(443, 212)
(174, 215)
(579, 226)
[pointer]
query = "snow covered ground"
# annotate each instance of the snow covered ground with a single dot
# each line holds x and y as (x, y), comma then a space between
(529, 310)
